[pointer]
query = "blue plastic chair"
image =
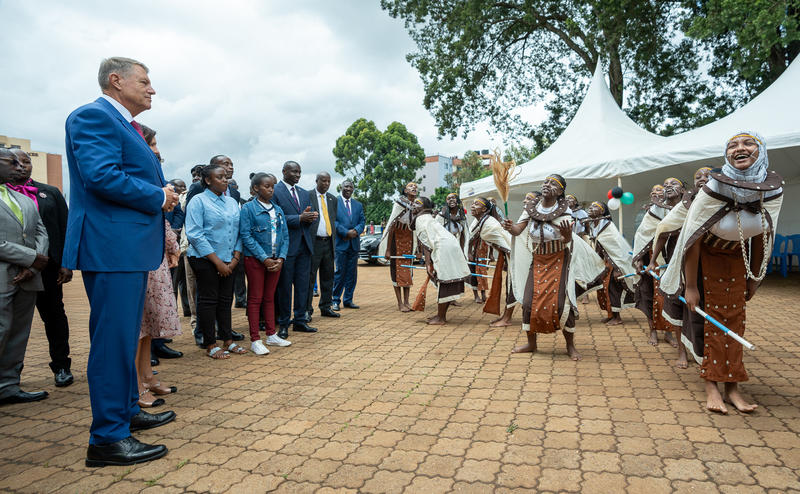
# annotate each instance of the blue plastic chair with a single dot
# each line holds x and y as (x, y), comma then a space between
(793, 252)
(779, 252)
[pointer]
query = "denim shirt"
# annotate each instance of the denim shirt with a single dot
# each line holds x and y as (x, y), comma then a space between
(255, 230)
(212, 226)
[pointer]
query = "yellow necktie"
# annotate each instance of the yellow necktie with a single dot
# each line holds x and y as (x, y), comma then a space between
(15, 208)
(325, 214)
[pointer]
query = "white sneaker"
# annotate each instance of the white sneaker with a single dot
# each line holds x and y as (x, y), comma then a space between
(276, 340)
(258, 348)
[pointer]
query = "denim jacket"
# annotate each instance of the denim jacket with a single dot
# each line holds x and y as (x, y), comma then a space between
(255, 231)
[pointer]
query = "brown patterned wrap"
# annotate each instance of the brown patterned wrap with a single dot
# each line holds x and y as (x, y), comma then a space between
(545, 290)
(400, 243)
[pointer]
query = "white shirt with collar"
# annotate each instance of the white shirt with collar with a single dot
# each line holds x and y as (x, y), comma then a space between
(321, 229)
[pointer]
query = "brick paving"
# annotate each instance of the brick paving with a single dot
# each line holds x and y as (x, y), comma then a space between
(378, 402)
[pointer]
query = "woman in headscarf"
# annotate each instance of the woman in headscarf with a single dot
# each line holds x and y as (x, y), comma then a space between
(715, 266)
(648, 300)
(487, 232)
(444, 258)
(547, 262)
(667, 231)
(399, 240)
(616, 294)
(454, 220)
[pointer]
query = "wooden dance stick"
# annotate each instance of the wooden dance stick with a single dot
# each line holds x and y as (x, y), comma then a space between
(642, 271)
(420, 267)
(713, 321)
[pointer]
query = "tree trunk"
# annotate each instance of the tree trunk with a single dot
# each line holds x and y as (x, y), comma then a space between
(615, 75)
(776, 61)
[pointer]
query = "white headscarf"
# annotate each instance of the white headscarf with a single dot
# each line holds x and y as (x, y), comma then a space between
(755, 173)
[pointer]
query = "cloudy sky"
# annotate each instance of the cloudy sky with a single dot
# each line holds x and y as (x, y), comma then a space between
(260, 81)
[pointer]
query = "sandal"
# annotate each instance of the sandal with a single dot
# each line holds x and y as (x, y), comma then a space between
(158, 389)
(234, 348)
(152, 402)
(218, 354)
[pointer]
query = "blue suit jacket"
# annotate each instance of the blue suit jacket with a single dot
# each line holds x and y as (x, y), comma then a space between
(115, 221)
(298, 232)
(344, 222)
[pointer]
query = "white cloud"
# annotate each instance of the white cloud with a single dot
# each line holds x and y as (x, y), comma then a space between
(263, 82)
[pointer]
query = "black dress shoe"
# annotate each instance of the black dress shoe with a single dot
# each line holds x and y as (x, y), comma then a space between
(328, 313)
(144, 420)
(167, 340)
(23, 397)
(335, 306)
(126, 452)
(63, 378)
(237, 336)
(154, 361)
(283, 332)
(163, 351)
(351, 305)
(303, 328)
(239, 305)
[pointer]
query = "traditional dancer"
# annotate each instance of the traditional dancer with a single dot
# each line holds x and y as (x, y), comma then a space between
(648, 300)
(398, 240)
(532, 197)
(444, 258)
(616, 294)
(547, 262)
(454, 220)
(578, 214)
(668, 229)
(717, 268)
(487, 232)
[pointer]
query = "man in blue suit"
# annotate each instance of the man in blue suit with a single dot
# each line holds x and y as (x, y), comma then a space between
(296, 205)
(349, 225)
(115, 236)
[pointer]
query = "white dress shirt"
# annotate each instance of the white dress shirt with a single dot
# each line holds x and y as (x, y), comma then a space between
(322, 230)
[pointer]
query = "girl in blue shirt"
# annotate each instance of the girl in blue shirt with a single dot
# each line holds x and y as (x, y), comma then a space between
(265, 239)
(212, 228)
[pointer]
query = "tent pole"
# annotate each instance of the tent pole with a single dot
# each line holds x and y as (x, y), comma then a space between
(621, 229)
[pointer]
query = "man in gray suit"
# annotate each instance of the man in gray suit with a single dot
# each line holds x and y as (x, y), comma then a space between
(23, 249)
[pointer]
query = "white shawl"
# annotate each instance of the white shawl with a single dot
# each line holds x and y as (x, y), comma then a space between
(492, 233)
(446, 254)
(646, 231)
(465, 230)
(618, 249)
(397, 209)
(700, 212)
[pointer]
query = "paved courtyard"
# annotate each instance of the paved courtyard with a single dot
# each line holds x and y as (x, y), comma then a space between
(379, 402)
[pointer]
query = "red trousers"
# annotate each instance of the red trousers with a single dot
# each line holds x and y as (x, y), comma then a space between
(261, 286)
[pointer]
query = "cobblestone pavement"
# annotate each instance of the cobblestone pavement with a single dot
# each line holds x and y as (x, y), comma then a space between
(379, 402)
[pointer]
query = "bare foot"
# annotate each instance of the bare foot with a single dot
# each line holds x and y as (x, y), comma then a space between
(714, 401)
(436, 321)
(653, 337)
(734, 396)
(681, 363)
(671, 340)
(585, 299)
(526, 348)
(499, 323)
(407, 308)
(606, 319)
(478, 300)
(615, 321)
(573, 353)
(455, 303)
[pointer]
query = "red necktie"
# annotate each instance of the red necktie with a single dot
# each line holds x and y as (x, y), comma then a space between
(137, 127)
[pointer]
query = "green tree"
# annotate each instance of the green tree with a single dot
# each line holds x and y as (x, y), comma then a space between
(480, 60)
(751, 41)
(471, 168)
(379, 163)
(439, 197)
(520, 153)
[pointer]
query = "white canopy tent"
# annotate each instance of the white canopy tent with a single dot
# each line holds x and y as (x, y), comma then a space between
(602, 147)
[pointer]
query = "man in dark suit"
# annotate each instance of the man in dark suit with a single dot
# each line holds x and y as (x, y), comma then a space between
(115, 236)
(50, 302)
(350, 223)
(196, 188)
(296, 271)
(324, 229)
(23, 253)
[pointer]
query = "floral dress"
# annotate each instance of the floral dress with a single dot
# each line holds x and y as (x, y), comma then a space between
(160, 317)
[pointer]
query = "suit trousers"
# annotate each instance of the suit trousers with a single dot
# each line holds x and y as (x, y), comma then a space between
(179, 285)
(50, 304)
(16, 315)
(214, 297)
(296, 272)
(346, 275)
(239, 285)
(322, 263)
(116, 302)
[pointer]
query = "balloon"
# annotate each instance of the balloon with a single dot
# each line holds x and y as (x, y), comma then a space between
(627, 198)
(616, 192)
(610, 194)
(613, 204)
